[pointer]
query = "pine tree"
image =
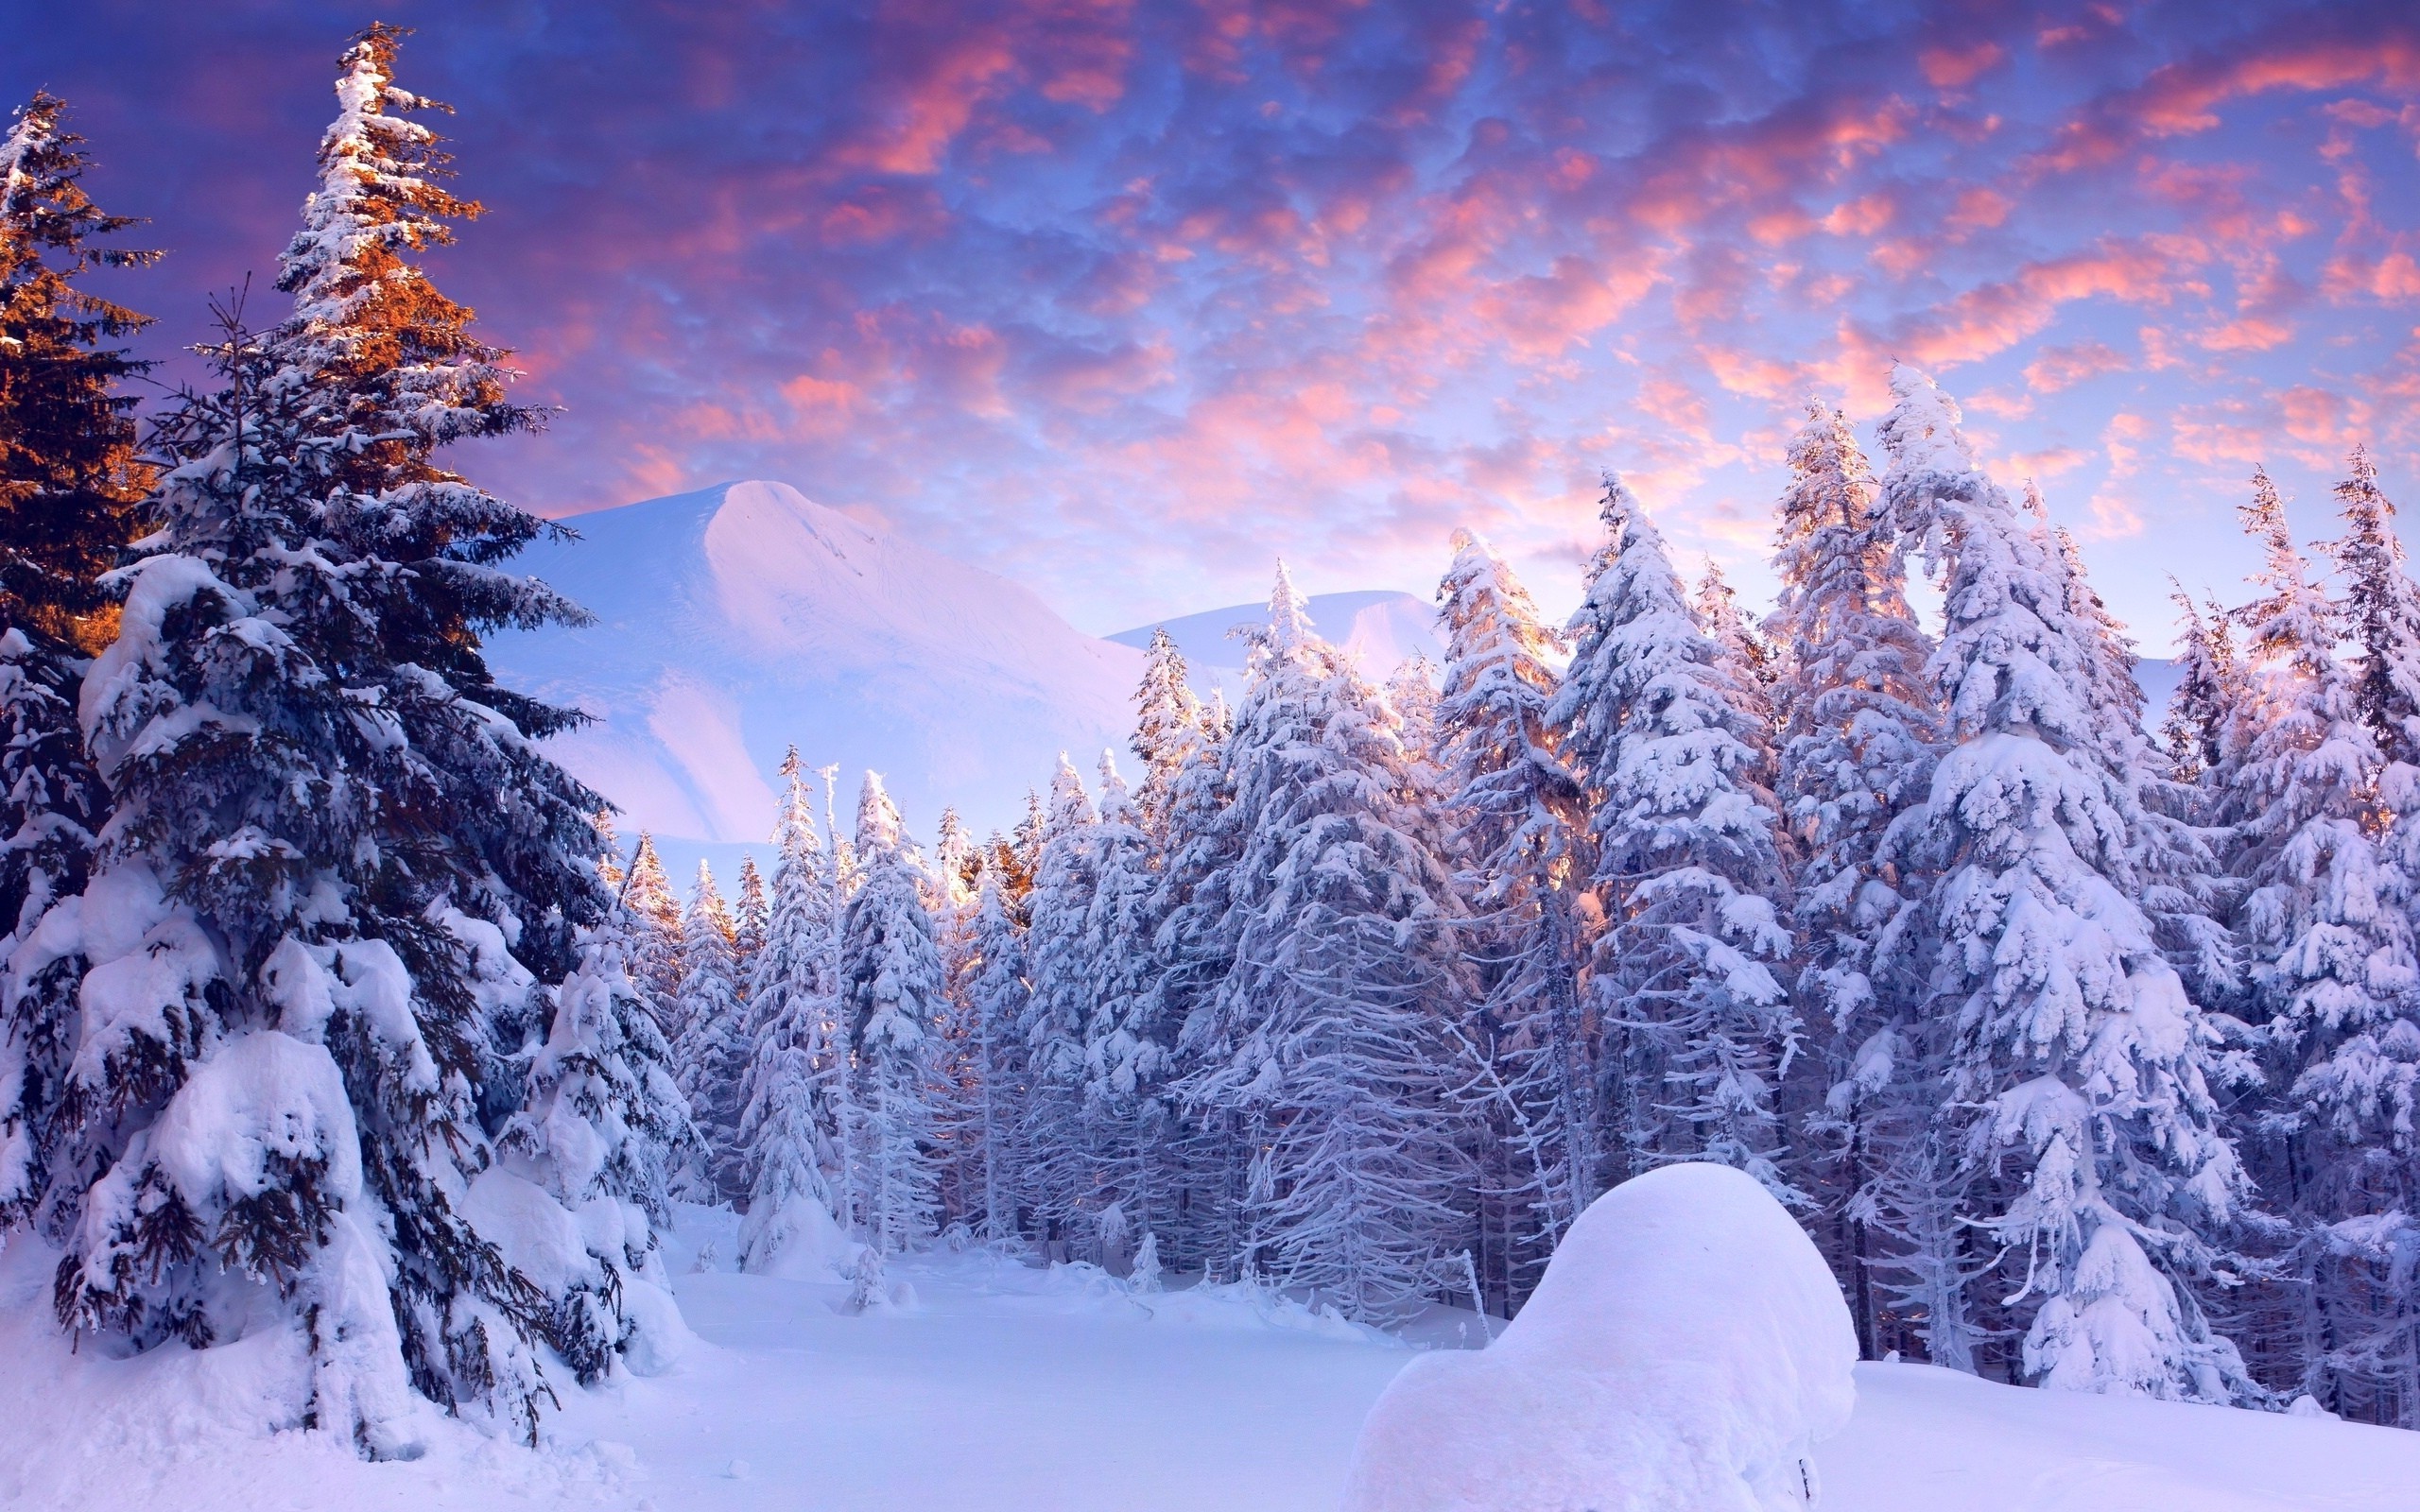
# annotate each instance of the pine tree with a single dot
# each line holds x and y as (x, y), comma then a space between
(2078, 1066)
(2381, 612)
(750, 912)
(996, 989)
(1059, 1171)
(1323, 1039)
(601, 1129)
(2334, 975)
(1190, 953)
(337, 865)
(1858, 727)
(70, 479)
(653, 917)
(1124, 1049)
(2195, 734)
(1754, 662)
(68, 483)
(1686, 869)
(892, 998)
(1167, 729)
(713, 1050)
(1521, 822)
(791, 1127)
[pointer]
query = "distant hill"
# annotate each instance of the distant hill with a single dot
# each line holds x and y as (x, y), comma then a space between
(1380, 627)
(738, 619)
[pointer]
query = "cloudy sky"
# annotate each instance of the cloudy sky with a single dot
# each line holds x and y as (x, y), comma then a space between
(1127, 300)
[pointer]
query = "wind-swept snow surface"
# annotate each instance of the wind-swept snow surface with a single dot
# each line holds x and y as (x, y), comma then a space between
(1010, 1390)
(1685, 1352)
(739, 619)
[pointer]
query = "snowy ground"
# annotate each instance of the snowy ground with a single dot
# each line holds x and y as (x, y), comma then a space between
(1005, 1388)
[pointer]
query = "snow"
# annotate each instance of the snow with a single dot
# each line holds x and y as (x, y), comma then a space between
(1686, 1350)
(738, 619)
(1010, 1389)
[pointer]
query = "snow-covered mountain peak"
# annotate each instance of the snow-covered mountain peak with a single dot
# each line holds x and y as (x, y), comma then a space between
(738, 619)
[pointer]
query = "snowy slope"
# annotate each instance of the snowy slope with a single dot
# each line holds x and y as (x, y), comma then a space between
(736, 620)
(1381, 627)
(1006, 1389)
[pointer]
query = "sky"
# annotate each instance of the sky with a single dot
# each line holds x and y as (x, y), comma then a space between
(1127, 300)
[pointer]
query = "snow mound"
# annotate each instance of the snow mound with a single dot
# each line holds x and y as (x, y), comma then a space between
(1684, 1351)
(796, 1241)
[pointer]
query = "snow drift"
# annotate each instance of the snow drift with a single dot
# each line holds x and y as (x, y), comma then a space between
(1684, 1351)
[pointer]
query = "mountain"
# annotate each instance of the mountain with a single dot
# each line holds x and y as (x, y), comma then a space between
(739, 619)
(1380, 627)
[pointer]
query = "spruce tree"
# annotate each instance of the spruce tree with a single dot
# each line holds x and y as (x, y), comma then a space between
(338, 867)
(750, 912)
(1324, 1037)
(997, 988)
(2381, 610)
(1190, 953)
(601, 1130)
(2326, 921)
(892, 1000)
(2078, 1066)
(69, 485)
(1059, 1010)
(1520, 822)
(1754, 662)
(2195, 731)
(715, 1048)
(1859, 728)
(1167, 729)
(652, 914)
(70, 479)
(790, 1128)
(1686, 870)
(1125, 1048)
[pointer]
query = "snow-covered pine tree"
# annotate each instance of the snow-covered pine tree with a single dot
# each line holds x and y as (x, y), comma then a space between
(1168, 729)
(713, 1053)
(2181, 885)
(1858, 728)
(1686, 869)
(69, 481)
(1520, 822)
(891, 997)
(1190, 954)
(69, 484)
(2334, 978)
(2195, 734)
(1754, 662)
(336, 853)
(2078, 1066)
(791, 1128)
(2380, 610)
(995, 988)
(1125, 1050)
(1325, 1035)
(949, 897)
(601, 1130)
(652, 914)
(1060, 1157)
(750, 910)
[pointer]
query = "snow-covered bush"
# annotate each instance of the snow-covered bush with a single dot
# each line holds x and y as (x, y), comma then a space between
(1686, 1350)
